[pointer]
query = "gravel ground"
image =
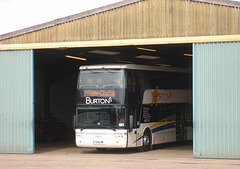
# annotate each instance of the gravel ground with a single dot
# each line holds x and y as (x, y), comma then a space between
(65, 155)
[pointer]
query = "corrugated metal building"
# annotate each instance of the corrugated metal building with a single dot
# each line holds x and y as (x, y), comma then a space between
(217, 94)
(137, 19)
(213, 27)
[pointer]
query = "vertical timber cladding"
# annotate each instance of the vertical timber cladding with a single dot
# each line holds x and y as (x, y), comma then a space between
(216, 100)
(16, 102)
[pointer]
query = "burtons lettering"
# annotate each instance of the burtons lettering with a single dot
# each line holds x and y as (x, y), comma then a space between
(98, 100)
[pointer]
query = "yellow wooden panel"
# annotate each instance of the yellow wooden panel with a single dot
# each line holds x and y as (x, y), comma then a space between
(169, 18)
(219, 20)
(226, 20)
(68, 31)
(81, 29)
(208, 21)
(73, 31)
(38, 36)
(90, 27)
(117, 24)
(151, 19)
(85, 30)
(61, 34)
(193, 18)
(179, 18)
(33, 37)
(233, 20)
(100, 27)
(122, 20)
(201, 19)
(128, 23)
(77, 30)
(109, 24)
(145, 21)
(44, 35)
(23, 39)
(95, 27)
(54, 34)
(104, 26)
(162, 18)
(111, 21)
(132, 18)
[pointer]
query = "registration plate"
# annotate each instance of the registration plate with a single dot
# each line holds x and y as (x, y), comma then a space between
(98, 142)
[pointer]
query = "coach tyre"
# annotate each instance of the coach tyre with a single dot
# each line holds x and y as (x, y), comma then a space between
(147, 141)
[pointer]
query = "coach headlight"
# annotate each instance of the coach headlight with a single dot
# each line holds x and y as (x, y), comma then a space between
(78, 133)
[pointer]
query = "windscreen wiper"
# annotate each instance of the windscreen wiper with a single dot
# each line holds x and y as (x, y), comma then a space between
(112, 127)
(109, 127)
(86, 127)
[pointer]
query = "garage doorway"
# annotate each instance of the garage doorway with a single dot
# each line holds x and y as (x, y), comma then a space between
(56, 72)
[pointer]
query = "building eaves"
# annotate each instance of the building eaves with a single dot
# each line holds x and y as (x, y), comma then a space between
(96, 11)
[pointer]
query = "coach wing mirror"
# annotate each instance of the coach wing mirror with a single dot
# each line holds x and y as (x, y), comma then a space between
(130, 123)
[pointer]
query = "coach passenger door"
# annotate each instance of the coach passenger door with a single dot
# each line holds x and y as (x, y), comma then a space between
(133, 111)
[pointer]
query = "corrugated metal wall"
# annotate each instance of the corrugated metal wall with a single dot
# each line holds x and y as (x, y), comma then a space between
(16, 102)
(216, 100)
(144, 19)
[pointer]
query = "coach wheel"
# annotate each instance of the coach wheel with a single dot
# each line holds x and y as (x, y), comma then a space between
(147, 142)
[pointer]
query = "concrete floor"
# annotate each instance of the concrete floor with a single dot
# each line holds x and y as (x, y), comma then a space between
(65, 155)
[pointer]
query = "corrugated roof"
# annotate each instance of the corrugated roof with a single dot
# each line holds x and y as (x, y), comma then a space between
(221, 2)
(96, 11)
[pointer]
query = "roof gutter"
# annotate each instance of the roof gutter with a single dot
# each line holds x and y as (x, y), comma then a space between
(125, 42)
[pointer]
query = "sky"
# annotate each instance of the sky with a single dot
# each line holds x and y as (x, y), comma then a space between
(19, 14)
